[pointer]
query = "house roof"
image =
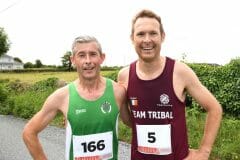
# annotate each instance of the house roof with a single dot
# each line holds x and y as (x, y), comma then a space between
(7, 56)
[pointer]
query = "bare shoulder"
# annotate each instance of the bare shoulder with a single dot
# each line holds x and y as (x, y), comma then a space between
(61, 92)
(123, 76)
(183, 72)
(118, 88)
(119, 93)
(124, 70)
(57, 100)
(181, 67)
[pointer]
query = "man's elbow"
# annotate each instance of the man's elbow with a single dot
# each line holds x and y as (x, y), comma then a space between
(26, 134)
(220, 110)
(217, 110)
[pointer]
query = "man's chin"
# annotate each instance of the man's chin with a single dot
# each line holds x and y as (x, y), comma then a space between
(90, 77)
(147, 58)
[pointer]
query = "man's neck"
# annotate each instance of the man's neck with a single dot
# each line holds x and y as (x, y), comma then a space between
(91, 89)
(150, 70)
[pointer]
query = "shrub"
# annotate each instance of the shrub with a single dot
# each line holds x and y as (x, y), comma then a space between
(29, 99)
(6, 103)
(223, 82)
(44, 84)
(17, 86)
(111, 74)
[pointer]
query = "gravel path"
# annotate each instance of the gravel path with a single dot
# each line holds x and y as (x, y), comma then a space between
(52, 139)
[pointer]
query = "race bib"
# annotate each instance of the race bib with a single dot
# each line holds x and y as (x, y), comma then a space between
(94, 146)
(154, 139)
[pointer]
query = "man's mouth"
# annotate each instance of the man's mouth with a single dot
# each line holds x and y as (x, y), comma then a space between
(88, 68)
(147, 48)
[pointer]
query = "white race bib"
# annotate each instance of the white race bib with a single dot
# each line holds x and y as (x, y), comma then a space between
(95, 146)
(154, 139)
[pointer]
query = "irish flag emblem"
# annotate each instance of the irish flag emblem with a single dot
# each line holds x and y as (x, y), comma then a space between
(134, 101)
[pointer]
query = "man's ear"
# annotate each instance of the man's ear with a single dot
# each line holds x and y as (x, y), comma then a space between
(103, 55)
(131, 37)
(163, 37)
(72, 60)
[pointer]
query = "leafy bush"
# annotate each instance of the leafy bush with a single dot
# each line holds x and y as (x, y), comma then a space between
(223, 82)
(111, 74)
(229, 94)
(28, 98)
(30, 102)
(6, 103)
(31, 99)
(45, 84)
(17, 86)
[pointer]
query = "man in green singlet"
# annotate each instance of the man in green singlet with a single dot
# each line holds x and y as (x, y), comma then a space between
(90, 104)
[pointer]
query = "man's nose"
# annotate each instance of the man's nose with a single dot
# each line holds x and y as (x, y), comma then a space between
(147, 38)
(87, 58)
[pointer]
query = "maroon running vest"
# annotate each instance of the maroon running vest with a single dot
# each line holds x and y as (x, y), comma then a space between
(156, 114)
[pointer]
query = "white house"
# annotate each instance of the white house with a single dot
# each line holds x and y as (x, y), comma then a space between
(8, 63)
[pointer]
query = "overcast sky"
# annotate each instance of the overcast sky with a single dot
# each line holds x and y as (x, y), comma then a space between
(205, 30)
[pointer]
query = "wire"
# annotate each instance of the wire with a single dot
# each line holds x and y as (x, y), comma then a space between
(10, 6)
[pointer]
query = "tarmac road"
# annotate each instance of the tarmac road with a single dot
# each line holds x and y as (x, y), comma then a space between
(52, 138)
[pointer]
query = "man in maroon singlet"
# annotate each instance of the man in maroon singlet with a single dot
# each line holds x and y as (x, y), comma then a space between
(156, 91)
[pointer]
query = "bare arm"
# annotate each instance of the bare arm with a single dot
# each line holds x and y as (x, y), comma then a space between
(124, 111)
(122, 78)
(38, 123)
(214, 112)
(120, 94)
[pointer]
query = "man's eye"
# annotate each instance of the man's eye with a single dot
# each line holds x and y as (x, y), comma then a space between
(153, 33)
(81, 55)
(140, 34)
(93, 54)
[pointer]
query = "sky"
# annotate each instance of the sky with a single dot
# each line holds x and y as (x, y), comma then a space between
(205, 31)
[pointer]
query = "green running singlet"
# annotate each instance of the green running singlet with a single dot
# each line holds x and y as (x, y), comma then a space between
(91, 132)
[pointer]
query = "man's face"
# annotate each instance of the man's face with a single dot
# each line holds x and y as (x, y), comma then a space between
(87, 60)
(147, 38)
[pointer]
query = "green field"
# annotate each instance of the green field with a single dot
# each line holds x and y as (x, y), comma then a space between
(38, 76)
(31, 77)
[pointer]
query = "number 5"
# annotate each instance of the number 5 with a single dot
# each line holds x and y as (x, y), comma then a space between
(151, 137)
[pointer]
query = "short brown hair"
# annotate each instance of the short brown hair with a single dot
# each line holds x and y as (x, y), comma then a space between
(148, 14)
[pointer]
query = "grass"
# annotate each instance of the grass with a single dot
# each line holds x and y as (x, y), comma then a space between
(227, 141)
(38, 76)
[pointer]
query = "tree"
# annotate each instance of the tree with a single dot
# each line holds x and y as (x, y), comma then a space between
(38, 63)
(4, 42)
(17, 59)
(28, 65)
(66, 60)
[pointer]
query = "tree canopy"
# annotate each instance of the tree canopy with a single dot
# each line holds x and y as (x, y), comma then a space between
(17, 59)
(66, 60)
(38, 63)
(4, 42)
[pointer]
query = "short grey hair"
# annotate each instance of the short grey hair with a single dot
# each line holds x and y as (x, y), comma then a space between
(86, 39)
